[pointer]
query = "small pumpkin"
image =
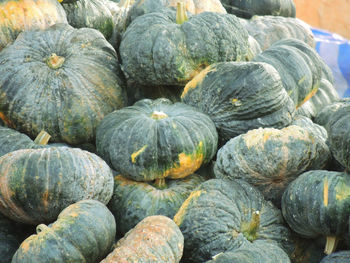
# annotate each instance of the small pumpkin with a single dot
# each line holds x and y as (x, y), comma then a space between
(83, 232)
(155, 239)
(156, 139)
(37, 184)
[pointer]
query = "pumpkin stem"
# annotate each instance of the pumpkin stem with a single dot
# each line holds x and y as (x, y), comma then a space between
(331, 244)
(181, 15)
(42, 138)
(250, 229)
(41, 228)
(160, 183)
(54, 61)
(157, 115)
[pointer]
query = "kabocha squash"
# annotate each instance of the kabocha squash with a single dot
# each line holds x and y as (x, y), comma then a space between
(316, 130)
(325, 114)
(221, 215)
(155, 239)
(37, 184)
(270, 159)
(133, 201)
(67, 80)
(83, 232)
(337, 257)
(21, 15)
(240, 96)
(316, 204)
(159, 49)
(249, 8)
(156, 139)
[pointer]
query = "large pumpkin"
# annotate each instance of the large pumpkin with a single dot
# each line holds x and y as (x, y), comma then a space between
(36, 184)
(83, 233)
(156, 139)
(22, 15)
(67, 80)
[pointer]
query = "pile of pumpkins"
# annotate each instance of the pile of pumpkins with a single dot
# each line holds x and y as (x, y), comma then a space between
(169, 131)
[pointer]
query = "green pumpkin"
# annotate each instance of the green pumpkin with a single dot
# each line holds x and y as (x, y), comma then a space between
(240, 96)
(36, 184)
(83, 232)
(155, 239)
(132, 201)
(337, 257)
(325, 114)
(270, 159)
(157, 49)
(67, 80)
(156, 139)
(317, 203)
(221, 215)
(314, 129)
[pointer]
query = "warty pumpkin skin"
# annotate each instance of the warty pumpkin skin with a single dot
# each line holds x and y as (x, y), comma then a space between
(221, 215)
(155, 50)
(67, 80)
(156, 139)
(83, 233)
(37, 184)
(22, 15)
(156, 239)
(240, 96)
(270, 159)
(317, 203)
(132, 201)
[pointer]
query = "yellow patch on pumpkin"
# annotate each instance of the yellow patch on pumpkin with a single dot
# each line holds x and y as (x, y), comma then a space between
(45, 200)
(308, 96)
(137, 153)
(325, 192)
(178, 218)
(198, 77)
(342, 191)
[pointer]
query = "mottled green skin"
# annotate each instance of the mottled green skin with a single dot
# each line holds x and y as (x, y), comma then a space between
(325, 114)
(67, 102)
(11, 140)
(83, 233)
(258, 252)
(90, 13)
(157, 51)
(316, 130)
(37, 184)
(261, 99)
(9, 239)
(304, 204)
(156, 144)
(249, 8)
(133, 201)
(271, 164)
(337, 257)
(211, 219)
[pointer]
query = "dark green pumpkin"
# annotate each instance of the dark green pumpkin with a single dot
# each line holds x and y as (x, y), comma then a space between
(337, 257)
(221, 215)
(270, 159)
(67, 80)
(325, 114)
(83, 232)
(36, 184)
(317, 203)
(154, 239)
(240, 96)
(156, 139)
(155, 50)
(132, 201)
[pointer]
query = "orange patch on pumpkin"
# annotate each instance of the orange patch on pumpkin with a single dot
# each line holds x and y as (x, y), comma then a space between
(197, 77)
(7, 121)
(309, 96)
(45, 200)
(178, 218)
(325, 192)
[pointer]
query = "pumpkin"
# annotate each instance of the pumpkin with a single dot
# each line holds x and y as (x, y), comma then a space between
(156, 139)
(22, 15)
(132, 201)
(314, 129)
(83, 232)
(317, 203)
(67, 80)
(221, 215)
(337, 257)
(325, 114)
(240, 96)
(155, 239)
(159, 49)
(249, 8)
(37, 184)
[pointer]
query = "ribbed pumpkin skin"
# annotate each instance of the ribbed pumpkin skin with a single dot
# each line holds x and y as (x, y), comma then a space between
(240, 97)
(21, 15)
(325, 114)
(83, 232)
(337, 257)
(270, 159)
(67, 102)
(317, 203)
(36, 185)
(11, 140)
(90, 13)
(9, 239)
(316, 130)
(143, 148)
(157, 51)
(155, 239)
(133, 201)
(212, 218)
